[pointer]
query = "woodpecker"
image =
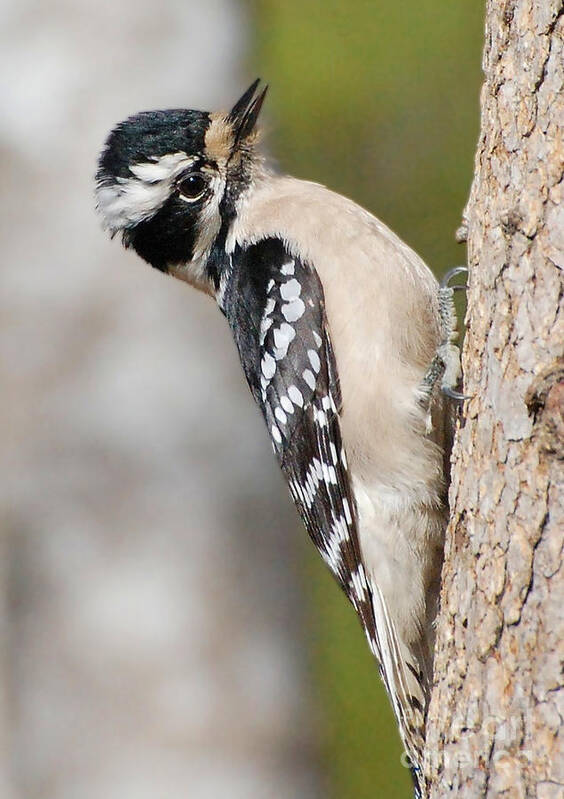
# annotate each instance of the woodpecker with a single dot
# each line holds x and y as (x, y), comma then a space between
(345, 338)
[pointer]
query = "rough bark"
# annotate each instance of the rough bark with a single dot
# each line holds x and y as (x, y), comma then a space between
(495, 722)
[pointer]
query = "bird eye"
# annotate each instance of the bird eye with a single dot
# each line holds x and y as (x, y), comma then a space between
(192, 187)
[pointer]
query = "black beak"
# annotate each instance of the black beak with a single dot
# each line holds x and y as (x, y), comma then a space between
(244, 113)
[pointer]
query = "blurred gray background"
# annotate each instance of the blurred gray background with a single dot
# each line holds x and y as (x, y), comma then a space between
(149, 606)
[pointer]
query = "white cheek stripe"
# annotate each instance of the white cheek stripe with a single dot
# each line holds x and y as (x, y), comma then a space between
(128, 201)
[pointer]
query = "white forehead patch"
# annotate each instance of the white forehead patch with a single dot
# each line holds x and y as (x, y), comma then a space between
(128, 201)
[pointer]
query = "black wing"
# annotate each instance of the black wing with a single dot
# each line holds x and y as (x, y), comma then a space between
(275, 306)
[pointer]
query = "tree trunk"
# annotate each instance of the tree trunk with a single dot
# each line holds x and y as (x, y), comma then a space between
(495, 719)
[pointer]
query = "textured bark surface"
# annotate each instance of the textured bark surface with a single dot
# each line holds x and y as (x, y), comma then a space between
(495, 723)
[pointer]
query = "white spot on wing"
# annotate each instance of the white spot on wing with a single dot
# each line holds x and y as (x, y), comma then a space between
(286, 404)
(339, 535)
(359, 583)
(314, 360)
(283, 335)
(308, 496)
(276, 435)
(292, 311)
(287, 269)
(298, 491)
(265, 325)
(290, 290)
(309, 378)
(269, 307)
(296, 396)
(268, 366)
(320, 417)
(318, 468)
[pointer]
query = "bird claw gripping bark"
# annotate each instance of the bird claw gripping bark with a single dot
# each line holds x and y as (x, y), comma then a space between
(448, 350)
(446, 363)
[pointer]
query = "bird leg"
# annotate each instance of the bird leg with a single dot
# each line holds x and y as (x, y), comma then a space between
(445, 366)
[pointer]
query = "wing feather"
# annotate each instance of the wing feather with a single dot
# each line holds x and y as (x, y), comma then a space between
(275, 305)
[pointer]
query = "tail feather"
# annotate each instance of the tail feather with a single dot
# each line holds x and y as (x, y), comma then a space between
(406, 684)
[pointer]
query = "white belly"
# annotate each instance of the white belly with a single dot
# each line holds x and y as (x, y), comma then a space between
(401, 548)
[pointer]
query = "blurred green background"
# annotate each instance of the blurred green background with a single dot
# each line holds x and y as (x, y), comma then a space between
(379, 101)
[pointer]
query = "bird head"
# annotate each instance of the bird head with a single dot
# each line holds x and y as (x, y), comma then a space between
(169, 181)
